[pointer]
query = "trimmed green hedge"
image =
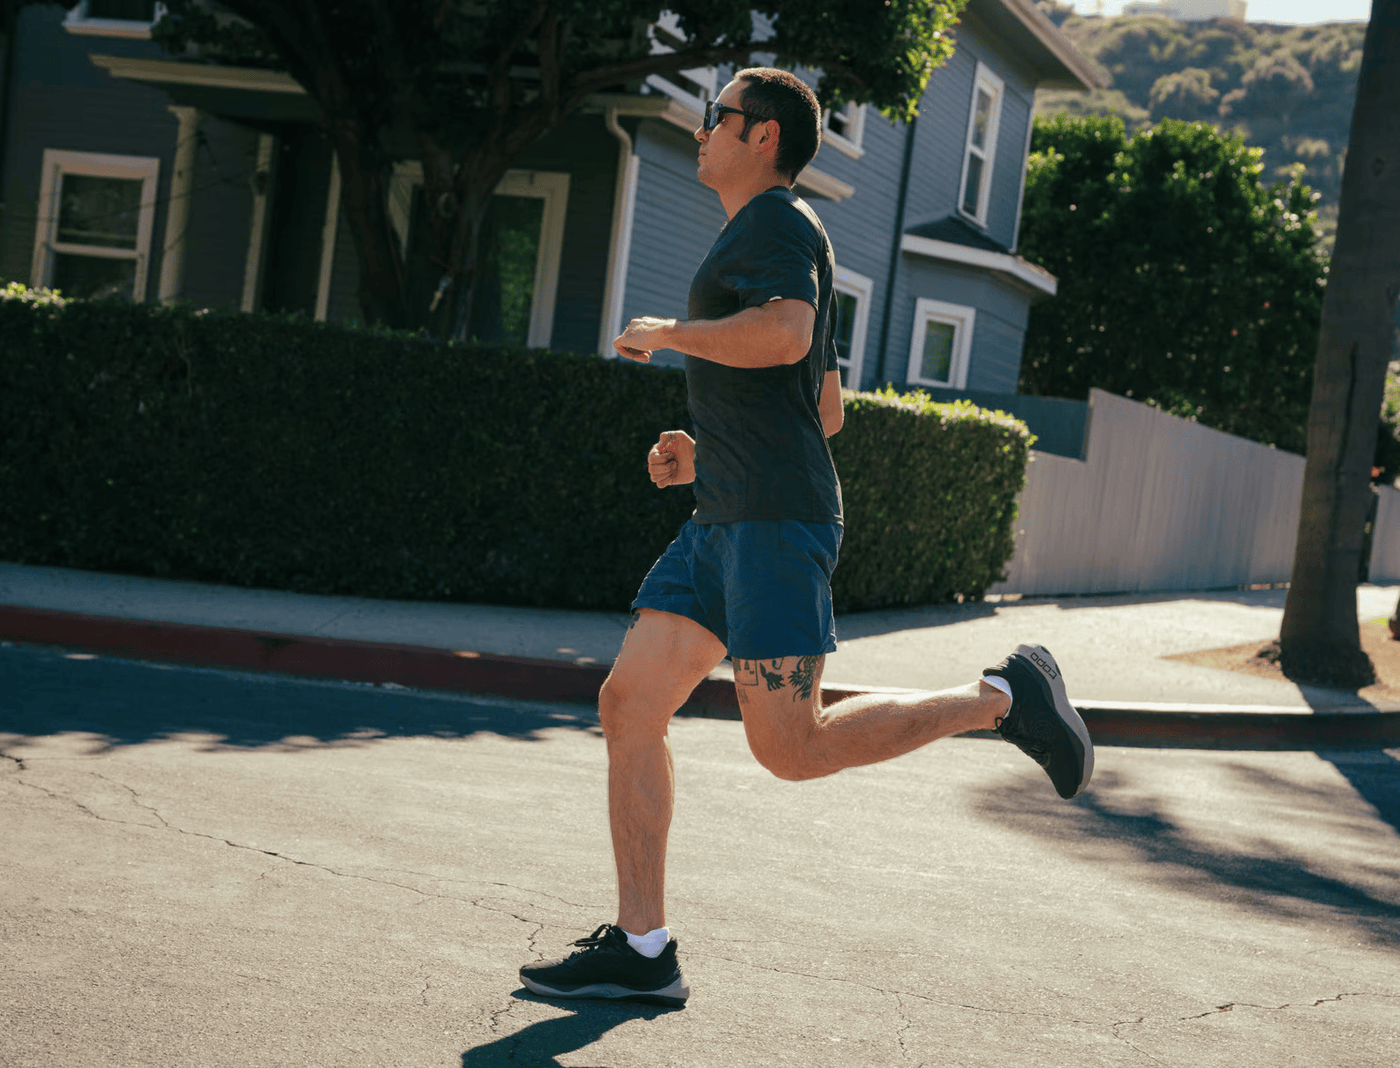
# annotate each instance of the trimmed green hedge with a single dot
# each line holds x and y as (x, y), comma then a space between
(269, 451)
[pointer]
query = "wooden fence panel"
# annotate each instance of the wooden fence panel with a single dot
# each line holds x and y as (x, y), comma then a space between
(1385, 542)
(1158, 503)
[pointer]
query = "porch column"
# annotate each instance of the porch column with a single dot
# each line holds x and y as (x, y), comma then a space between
(177, 215)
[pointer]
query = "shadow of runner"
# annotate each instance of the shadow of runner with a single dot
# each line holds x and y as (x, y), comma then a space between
(127, 702)
(539, 1045)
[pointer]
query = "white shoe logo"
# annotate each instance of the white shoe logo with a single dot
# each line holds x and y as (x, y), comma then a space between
(1045, 666)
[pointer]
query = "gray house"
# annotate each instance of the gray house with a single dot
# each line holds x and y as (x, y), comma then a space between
(125, 172)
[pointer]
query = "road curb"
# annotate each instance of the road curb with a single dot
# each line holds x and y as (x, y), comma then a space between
(528, 678)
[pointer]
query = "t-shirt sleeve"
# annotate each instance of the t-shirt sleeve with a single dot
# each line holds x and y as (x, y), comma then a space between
(773, 256)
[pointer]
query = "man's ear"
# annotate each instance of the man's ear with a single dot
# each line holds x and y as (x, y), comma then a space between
(771, 129)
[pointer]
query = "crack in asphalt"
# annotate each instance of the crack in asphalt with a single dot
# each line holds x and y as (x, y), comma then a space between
(17, 761)
(1231, 1006)
(906, 1025)
(478, 902)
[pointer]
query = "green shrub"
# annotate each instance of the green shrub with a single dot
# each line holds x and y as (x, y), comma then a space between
(930, 499)
(268, 451)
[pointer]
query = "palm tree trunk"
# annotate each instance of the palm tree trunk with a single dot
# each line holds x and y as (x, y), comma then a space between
(1320, 640)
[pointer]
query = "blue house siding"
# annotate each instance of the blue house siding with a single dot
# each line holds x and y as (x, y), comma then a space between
(61, 101)
(862, 227)
(676, 221)
(1001, 320)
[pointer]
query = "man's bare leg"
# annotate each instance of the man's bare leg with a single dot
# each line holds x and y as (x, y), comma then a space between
(795, 738)
(663, 658)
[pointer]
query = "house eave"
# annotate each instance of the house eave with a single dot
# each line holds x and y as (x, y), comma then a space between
(174, 72)
(1032, 36)
(682, 116)
(1014, 268)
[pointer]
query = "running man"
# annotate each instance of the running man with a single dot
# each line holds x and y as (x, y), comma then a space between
(749, 576)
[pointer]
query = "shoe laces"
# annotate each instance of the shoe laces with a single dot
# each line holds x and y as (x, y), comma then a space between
(596, 939)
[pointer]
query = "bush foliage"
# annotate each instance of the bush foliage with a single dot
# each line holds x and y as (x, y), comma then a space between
(269, 451)
(1286, 89)
(1186, 282)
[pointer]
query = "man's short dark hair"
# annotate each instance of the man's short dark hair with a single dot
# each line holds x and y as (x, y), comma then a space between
(782, 96)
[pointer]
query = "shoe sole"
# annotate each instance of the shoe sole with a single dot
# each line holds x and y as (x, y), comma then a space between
(672, 996)
(1049, 671)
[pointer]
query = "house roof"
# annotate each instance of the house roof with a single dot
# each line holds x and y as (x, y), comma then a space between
(1054, 62)
(955, 230)
(954, 241)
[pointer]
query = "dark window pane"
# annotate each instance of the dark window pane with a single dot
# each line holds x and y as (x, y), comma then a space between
(92, 277)
(845, 330)
(937, 362)
(506, 258)
(99, 211)
(974, 183)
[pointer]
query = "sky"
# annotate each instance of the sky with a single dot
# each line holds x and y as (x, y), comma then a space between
(1295, 11)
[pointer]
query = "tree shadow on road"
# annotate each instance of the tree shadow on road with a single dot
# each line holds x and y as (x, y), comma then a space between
(1230, 858)
(1374, 774)
(540, 1045)
(125, 702)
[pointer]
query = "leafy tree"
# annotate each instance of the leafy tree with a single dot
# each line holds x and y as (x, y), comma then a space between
(475, 83)
(1286, 89)
(1185, 282)
(1320, 639)
(1185, 94)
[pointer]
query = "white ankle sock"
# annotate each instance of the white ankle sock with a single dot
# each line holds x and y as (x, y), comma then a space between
(650, 944)
(1000, 683)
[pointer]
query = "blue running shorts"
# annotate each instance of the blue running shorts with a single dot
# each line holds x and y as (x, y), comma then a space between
(763, 587)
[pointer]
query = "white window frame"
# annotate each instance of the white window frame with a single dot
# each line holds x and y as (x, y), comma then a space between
(665, 35)
(964, 321)
(77, 21)
(58, 163)
(848, 143)
(862, 288)
(550, 186)
(984, 79)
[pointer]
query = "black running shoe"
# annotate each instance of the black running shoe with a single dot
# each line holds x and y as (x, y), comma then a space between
(1042, 723)
(605, 966)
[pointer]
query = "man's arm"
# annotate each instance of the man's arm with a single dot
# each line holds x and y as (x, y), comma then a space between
(769, 335)
(829, 405)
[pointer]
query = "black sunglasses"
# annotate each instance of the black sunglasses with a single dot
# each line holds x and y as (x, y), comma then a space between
(714, 115)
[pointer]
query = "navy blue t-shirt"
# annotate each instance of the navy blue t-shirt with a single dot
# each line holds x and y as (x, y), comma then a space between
(760, 450)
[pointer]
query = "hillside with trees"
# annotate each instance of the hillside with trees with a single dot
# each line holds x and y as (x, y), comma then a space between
(1286, 89)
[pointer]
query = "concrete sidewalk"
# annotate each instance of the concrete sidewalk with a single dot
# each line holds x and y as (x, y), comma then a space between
(1110, 647)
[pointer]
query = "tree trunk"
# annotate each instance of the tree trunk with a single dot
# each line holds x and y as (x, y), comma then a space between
(1320, 639)
(364, 195)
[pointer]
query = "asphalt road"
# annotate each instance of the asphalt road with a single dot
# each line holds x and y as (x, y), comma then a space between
(206, 868)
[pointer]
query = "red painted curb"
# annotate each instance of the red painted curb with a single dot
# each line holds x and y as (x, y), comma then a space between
(293, 654)
(528, 678)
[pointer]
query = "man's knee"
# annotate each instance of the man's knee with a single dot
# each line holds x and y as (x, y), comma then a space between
(629, 712)
(791, 755)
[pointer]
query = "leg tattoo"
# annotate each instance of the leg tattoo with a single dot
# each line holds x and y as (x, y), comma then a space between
(774, 679)
(804, 676)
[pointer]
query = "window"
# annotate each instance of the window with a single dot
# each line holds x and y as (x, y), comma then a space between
(96, 212)
(518, 252)
(843, 129)
(692, 86)
(981, 145)
(942, 342)
(851, 294)
(113, 18)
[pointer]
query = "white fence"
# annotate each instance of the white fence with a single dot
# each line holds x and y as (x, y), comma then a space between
(1160, 503)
